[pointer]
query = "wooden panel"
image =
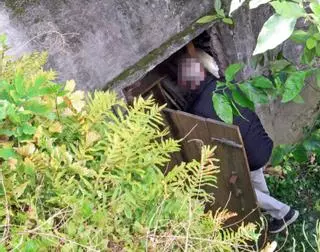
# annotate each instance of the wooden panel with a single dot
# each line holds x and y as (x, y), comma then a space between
(233, 161)
(230, 151)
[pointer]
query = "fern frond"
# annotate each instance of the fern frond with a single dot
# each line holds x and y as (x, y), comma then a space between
(194, 176)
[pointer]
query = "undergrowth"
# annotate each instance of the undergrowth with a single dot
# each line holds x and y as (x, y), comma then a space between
(298, 186)
(83, 172)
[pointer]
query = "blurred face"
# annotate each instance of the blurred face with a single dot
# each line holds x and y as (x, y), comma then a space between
(190, 73)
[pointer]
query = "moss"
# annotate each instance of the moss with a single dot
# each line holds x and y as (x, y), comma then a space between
(18, 7)
(144, 63)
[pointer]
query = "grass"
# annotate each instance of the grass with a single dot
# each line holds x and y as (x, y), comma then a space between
(300, 188)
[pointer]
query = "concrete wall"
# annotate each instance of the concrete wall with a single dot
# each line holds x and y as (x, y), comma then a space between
(93, 41)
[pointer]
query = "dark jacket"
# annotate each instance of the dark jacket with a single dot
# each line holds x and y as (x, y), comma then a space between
(257, 143)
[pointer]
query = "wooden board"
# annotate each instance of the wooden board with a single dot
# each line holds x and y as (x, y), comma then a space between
(197, 131)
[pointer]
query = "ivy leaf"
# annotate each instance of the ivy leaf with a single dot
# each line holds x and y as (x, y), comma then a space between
(235, 4)
(275, 30)
(242, 100)
(262, 82)
(256, 3)
(206, 19)
(232, 70)
(298, 99)
(222, 107)
(288, 9)
(256, 95)
(300, 36)
(6, 153)
(293, 86)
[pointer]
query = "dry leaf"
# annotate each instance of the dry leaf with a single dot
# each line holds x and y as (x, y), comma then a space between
(12, 162)
(313, 158)
(70, 86)
(274, 171)
(55, 128)
(77, 100)
(92, 137)
(270, 247)
(26, 150)
(19, 190)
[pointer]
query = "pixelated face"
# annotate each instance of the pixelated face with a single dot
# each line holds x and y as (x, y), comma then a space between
(190, 73)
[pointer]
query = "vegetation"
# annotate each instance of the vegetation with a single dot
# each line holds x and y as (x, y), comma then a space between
(83, 173)
(297, 166)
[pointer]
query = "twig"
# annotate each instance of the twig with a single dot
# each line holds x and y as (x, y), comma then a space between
(7, 225)
(245, 217)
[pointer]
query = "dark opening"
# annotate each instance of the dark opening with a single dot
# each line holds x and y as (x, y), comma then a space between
(161, 82)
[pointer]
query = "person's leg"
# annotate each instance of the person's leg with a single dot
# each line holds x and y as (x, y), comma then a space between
(272, 206)
(282, 214)
(258, 181)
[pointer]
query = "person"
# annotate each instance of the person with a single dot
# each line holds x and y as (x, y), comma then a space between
(258, 145)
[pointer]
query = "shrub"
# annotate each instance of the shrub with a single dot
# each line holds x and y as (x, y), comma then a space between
(83, 172)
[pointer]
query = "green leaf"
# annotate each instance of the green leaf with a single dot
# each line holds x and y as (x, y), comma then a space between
(316, 36)
(300, 36)
(3, 39)
(227, 21)
(37, 108)
(256, 3)
(298, 99)
(262, 82)
(275, 30)
(315, 7)
(311, 43)
(279, 153)
(19, 85)
(6, 153)
(220, 84)
(30, 246)
(242, 100)
(256, 95)
(293, 86)
(318, 50)
(300, 154)
(288, 9)
(279, 65)
(217, 5)
(222, 107)
(235, 4)
(308, 55)
(2, 248)
(232, 70)
(3, 109)
(312, 143)
(28, 129)
(206, 19)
